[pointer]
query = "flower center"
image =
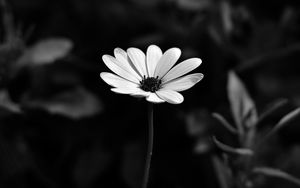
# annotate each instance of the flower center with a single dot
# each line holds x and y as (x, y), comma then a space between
(150, 84)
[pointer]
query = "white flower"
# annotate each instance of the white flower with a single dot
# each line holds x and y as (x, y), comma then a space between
(150, 75)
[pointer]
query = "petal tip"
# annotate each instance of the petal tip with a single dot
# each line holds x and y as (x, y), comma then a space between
(201, 76)
(199, 61)
(130, 49)
(104, 56)
(102, 74)
(153, 46)
(176, 50)
(118, 50)
(178, 102)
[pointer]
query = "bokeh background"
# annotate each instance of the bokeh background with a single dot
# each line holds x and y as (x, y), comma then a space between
(61, 126)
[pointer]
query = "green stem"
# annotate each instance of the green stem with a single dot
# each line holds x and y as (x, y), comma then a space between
(150, 146)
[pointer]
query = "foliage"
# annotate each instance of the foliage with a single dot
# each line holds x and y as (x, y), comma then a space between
(239, 166)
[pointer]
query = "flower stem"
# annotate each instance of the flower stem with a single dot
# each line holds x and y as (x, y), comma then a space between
(150, 145)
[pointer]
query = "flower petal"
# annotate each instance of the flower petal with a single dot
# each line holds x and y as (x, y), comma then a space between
(116, 81)
(114, 65)
(154, 98)
(183, 83)
(154, 53)
(182, 68)
(124, 90)
(141, 93)
(122, 57)
(170, 96)
(138, 59)
(166, 62)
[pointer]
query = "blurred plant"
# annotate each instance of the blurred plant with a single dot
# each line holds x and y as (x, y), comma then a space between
(17, 58)
(253, 40)
(33, 81)
(240, 166)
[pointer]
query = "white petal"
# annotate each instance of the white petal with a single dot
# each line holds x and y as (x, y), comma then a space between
(116, 81)
(170, 96)
(154, 98)
(122, 57)
(138, 59)
(154, 53)
(166, 62)
(124, 90)
(141, 93)
(183, 83)
(114, 65)
(182, 68)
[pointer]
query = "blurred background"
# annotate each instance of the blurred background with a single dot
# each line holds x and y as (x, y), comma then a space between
(61, 126)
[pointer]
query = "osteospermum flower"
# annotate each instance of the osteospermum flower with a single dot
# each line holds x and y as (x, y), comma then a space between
(150, 75)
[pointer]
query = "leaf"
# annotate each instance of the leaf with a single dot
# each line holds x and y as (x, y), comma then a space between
(276, 173)
(226, 15)
(278, 104)
(46, 51)
(202, 145)
(76, 103)
(285, 121)
(193, 5)
(242, 106)
(7, 103)
(9, 31)
(225, 123)
(229, 149)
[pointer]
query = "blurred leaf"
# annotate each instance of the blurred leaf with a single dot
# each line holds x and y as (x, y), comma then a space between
(276, 173)
(10, 32)
(10, 53)
(271, 109)
(226, 16)
(197, 122)
(7, 104)
(76, 103)
(242, 106)
(225, 123)
(203, 145)
(222, 172)
(194, 5)
(46, 51)
(285, 121)
(229, 149)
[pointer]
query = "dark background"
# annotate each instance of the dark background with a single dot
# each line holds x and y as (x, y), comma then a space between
(61, 126)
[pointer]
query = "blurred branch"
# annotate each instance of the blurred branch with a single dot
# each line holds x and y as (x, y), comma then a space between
(229, 149)
(276, 173)
(269, 111)
(225, 123)
(268, 57)
(284, 121)
(221, 172)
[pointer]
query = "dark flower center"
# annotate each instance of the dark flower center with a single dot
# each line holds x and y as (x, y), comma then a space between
(150, 84)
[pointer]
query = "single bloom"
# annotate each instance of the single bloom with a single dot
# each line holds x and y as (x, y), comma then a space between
(150, 75)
